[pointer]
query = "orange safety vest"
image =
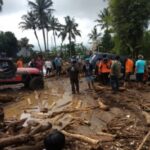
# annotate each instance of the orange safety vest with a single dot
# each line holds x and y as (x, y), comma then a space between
(104, 67)
(129, 66)
(19, 64)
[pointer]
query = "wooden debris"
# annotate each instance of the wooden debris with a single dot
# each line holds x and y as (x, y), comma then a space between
(106, 134)
(102, 105)
(19, 139)
(6, 98)
(81, 138)
(78, 104)
(41, 128)
(99, 88)
(37, 146)
(143, 141)
(147, 117)
(122, 89)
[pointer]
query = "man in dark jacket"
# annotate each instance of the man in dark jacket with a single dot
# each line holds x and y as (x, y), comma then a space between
(73, 71)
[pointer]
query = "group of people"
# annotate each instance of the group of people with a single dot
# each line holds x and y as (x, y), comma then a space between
(40, 63)
(109, 72)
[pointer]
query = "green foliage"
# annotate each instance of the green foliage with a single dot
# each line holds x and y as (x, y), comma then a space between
(30, 22)
(69, 30)
(8, 44)
(41, 9)
(24, 43)
(94, 35)
(1, 3)
(104, 19)
(145, 50)
(130, 18)
(107, 42)
(54, 26)
(117, 45)
(80, 49)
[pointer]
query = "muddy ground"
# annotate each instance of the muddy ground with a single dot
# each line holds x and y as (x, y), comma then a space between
(125, 119)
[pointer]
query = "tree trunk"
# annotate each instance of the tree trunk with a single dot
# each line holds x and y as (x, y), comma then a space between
(44, 38)
(70, 45)
(54, 38)
(47, 40)
(37, 40)
(18, 139)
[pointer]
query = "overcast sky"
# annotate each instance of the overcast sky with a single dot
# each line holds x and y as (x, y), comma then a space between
(84, 11)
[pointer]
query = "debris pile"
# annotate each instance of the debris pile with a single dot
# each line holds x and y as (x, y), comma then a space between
(14, 136)
(129, 133)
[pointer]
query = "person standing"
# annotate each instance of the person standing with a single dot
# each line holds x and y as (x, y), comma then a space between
(39, 63)
(140, 67)
(104, 70)
(88, 71)
(58, 65)
(32, 63)
(73, 72)
(19, 63)
(129, 64)
(115, 74)
(48, 67)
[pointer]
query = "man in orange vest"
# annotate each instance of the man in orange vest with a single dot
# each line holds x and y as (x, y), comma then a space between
(19, 63)
(104, 70)
(129, 64)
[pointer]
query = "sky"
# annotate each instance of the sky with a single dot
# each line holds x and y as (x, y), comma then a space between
(84, 12)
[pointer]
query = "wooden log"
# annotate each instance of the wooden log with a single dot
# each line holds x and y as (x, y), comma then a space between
(79, 104)
(41, 128)
(99, 88)
(102, 105)
(82, 138)
(54, 114)
(16, 123)
(41, 136)
(143, 141)
(19, 139)
(38, 146)
(147, 117)
(2, 115)
(25, 130)
(106, 134)
(6, 98)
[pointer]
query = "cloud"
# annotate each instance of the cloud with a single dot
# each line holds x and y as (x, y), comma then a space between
(13, 7)
(79, 8)
(84, 12)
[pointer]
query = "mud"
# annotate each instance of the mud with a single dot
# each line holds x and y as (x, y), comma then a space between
(127, 104)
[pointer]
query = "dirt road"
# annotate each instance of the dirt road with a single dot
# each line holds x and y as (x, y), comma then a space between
(125, 116)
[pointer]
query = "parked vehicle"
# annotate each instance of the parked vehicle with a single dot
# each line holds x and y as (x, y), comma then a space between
(30, 77)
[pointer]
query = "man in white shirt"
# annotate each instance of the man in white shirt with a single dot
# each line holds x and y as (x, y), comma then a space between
(48, 67)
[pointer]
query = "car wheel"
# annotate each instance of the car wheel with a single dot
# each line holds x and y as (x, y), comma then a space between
(36, 83)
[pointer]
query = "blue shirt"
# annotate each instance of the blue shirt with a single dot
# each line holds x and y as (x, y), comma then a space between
(58, 62)
(140, 66)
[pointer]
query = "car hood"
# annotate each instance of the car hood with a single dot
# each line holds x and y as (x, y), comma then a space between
(28, 70)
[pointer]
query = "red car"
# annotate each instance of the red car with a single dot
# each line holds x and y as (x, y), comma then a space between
(30, 77)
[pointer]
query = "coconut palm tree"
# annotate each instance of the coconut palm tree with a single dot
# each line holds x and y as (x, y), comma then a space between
(30, 22)
(41, 9)
(1, 3)
(94, 35)
(69, 30)
(104, 19)
(54, 26)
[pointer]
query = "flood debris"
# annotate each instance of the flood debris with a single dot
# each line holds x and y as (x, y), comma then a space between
(93, 120)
